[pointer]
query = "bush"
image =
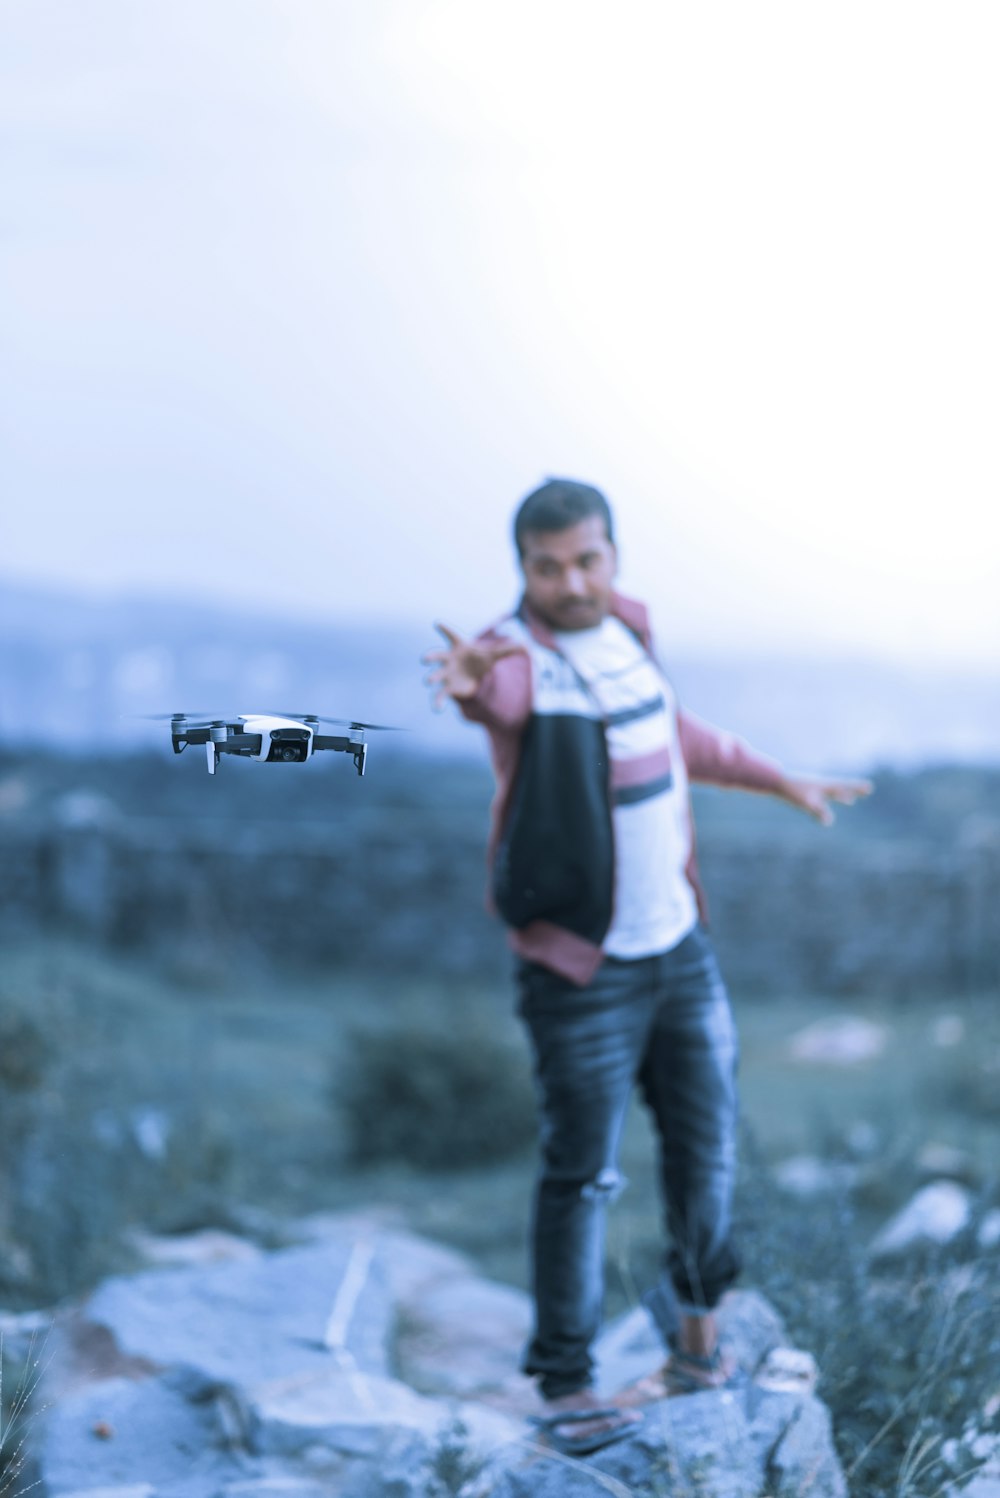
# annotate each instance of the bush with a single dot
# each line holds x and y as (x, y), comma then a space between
(89, 1148)
(907, 1354)
(437, 1096)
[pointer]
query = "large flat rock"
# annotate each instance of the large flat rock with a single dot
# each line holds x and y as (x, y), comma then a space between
(366, 1363)
(271, 1317)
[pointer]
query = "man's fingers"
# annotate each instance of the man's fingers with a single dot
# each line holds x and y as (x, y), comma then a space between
(449, 634)
(500, 649)
(849, 791)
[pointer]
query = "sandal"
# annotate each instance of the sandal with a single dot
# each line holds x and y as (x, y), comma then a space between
(683, 1373)
(691, 1373)
(570, 1444)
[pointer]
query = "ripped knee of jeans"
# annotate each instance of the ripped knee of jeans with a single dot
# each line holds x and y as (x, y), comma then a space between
(607, 1186)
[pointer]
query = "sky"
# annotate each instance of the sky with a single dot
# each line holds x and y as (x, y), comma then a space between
(299, 297)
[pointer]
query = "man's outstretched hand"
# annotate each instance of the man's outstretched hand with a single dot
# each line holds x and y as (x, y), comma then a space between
(814, 793)
(459, 670)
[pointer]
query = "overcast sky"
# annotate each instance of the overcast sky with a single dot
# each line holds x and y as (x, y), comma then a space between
(300, 296)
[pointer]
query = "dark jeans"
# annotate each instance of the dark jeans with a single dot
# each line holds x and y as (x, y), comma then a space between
(664, 1022)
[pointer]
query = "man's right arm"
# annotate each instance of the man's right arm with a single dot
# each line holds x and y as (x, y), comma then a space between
(489, 678)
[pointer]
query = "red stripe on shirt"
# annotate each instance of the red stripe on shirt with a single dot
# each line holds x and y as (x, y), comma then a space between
(637, 771)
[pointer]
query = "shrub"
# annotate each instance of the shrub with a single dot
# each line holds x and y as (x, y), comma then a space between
(906, 1354)
(436, 1096)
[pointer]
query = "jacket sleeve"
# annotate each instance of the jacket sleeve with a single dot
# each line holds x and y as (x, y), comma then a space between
(717, 757)
(503, 700)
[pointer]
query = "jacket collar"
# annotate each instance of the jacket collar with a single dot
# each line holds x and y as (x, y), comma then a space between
(633, 614)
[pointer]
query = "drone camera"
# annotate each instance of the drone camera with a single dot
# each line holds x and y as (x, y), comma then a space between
(289, 744)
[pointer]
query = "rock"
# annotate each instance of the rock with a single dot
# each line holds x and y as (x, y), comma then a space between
(806, 1176)
(134, 1490)
(804, 1459)
(717, 1444)
(842, 1040)
(174, 1250)
(343, 1410)
(121, 1433)
(861, 1139)
(936, 1159)
(988, 1235)
(947, 1030)
(275, 1487)
(985, 1483)
(935, 1215)
(277, 1375)
(463, 1336)
(277, 1314)
(788, 1370)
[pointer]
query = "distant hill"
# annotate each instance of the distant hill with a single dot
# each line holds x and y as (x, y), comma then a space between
(74, 670)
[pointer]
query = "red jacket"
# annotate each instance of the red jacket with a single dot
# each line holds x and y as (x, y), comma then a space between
(551, 818)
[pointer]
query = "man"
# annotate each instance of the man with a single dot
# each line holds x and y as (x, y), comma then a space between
(594, 872)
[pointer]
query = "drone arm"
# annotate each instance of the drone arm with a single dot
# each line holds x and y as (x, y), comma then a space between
(235, 743)
(346, 745)
(340, 741)
(242, 743)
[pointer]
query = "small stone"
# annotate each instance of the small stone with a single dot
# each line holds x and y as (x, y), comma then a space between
(988, 1235)
(984, 1484)
(862, 1139)
(788, 1370)
(806, 1176)
(935, 1215)
(842, 1040)
(948, 1030)
(936, 1159)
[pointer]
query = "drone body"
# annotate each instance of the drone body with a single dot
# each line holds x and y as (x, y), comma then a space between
(268, 738)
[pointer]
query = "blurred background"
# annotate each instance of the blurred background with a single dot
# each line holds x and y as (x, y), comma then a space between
(300, 300)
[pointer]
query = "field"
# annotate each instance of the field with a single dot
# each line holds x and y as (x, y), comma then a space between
(242, 1093)
(142, 1091)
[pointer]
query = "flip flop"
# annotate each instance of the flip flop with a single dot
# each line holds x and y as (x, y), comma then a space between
(569, 1444)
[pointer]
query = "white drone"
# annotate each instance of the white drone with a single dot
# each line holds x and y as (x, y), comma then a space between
(269, 738)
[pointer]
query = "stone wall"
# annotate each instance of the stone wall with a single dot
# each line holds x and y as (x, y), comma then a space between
(391, 896)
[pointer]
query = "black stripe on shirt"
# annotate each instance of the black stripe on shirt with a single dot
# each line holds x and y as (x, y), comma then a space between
(631, 714)
(629, 795)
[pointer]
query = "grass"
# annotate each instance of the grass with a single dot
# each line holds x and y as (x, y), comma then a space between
(16, 1411)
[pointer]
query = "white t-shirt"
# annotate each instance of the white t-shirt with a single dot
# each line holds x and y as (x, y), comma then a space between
(654, 904)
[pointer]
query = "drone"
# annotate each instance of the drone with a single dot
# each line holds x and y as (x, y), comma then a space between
(268, 738)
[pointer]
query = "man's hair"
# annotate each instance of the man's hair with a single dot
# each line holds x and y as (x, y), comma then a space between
(557, 505)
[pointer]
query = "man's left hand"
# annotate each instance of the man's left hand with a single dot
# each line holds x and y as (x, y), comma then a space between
(814, 793)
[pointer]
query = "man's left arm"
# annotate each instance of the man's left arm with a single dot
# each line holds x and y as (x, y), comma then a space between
(718, 757)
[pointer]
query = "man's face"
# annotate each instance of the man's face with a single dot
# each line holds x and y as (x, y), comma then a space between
(568, 575)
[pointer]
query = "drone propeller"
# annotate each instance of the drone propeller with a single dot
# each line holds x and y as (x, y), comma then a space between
(192, 720)
(348, 722)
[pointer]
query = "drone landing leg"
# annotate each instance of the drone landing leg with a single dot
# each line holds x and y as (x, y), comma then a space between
(213, 757)
(359, 758)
